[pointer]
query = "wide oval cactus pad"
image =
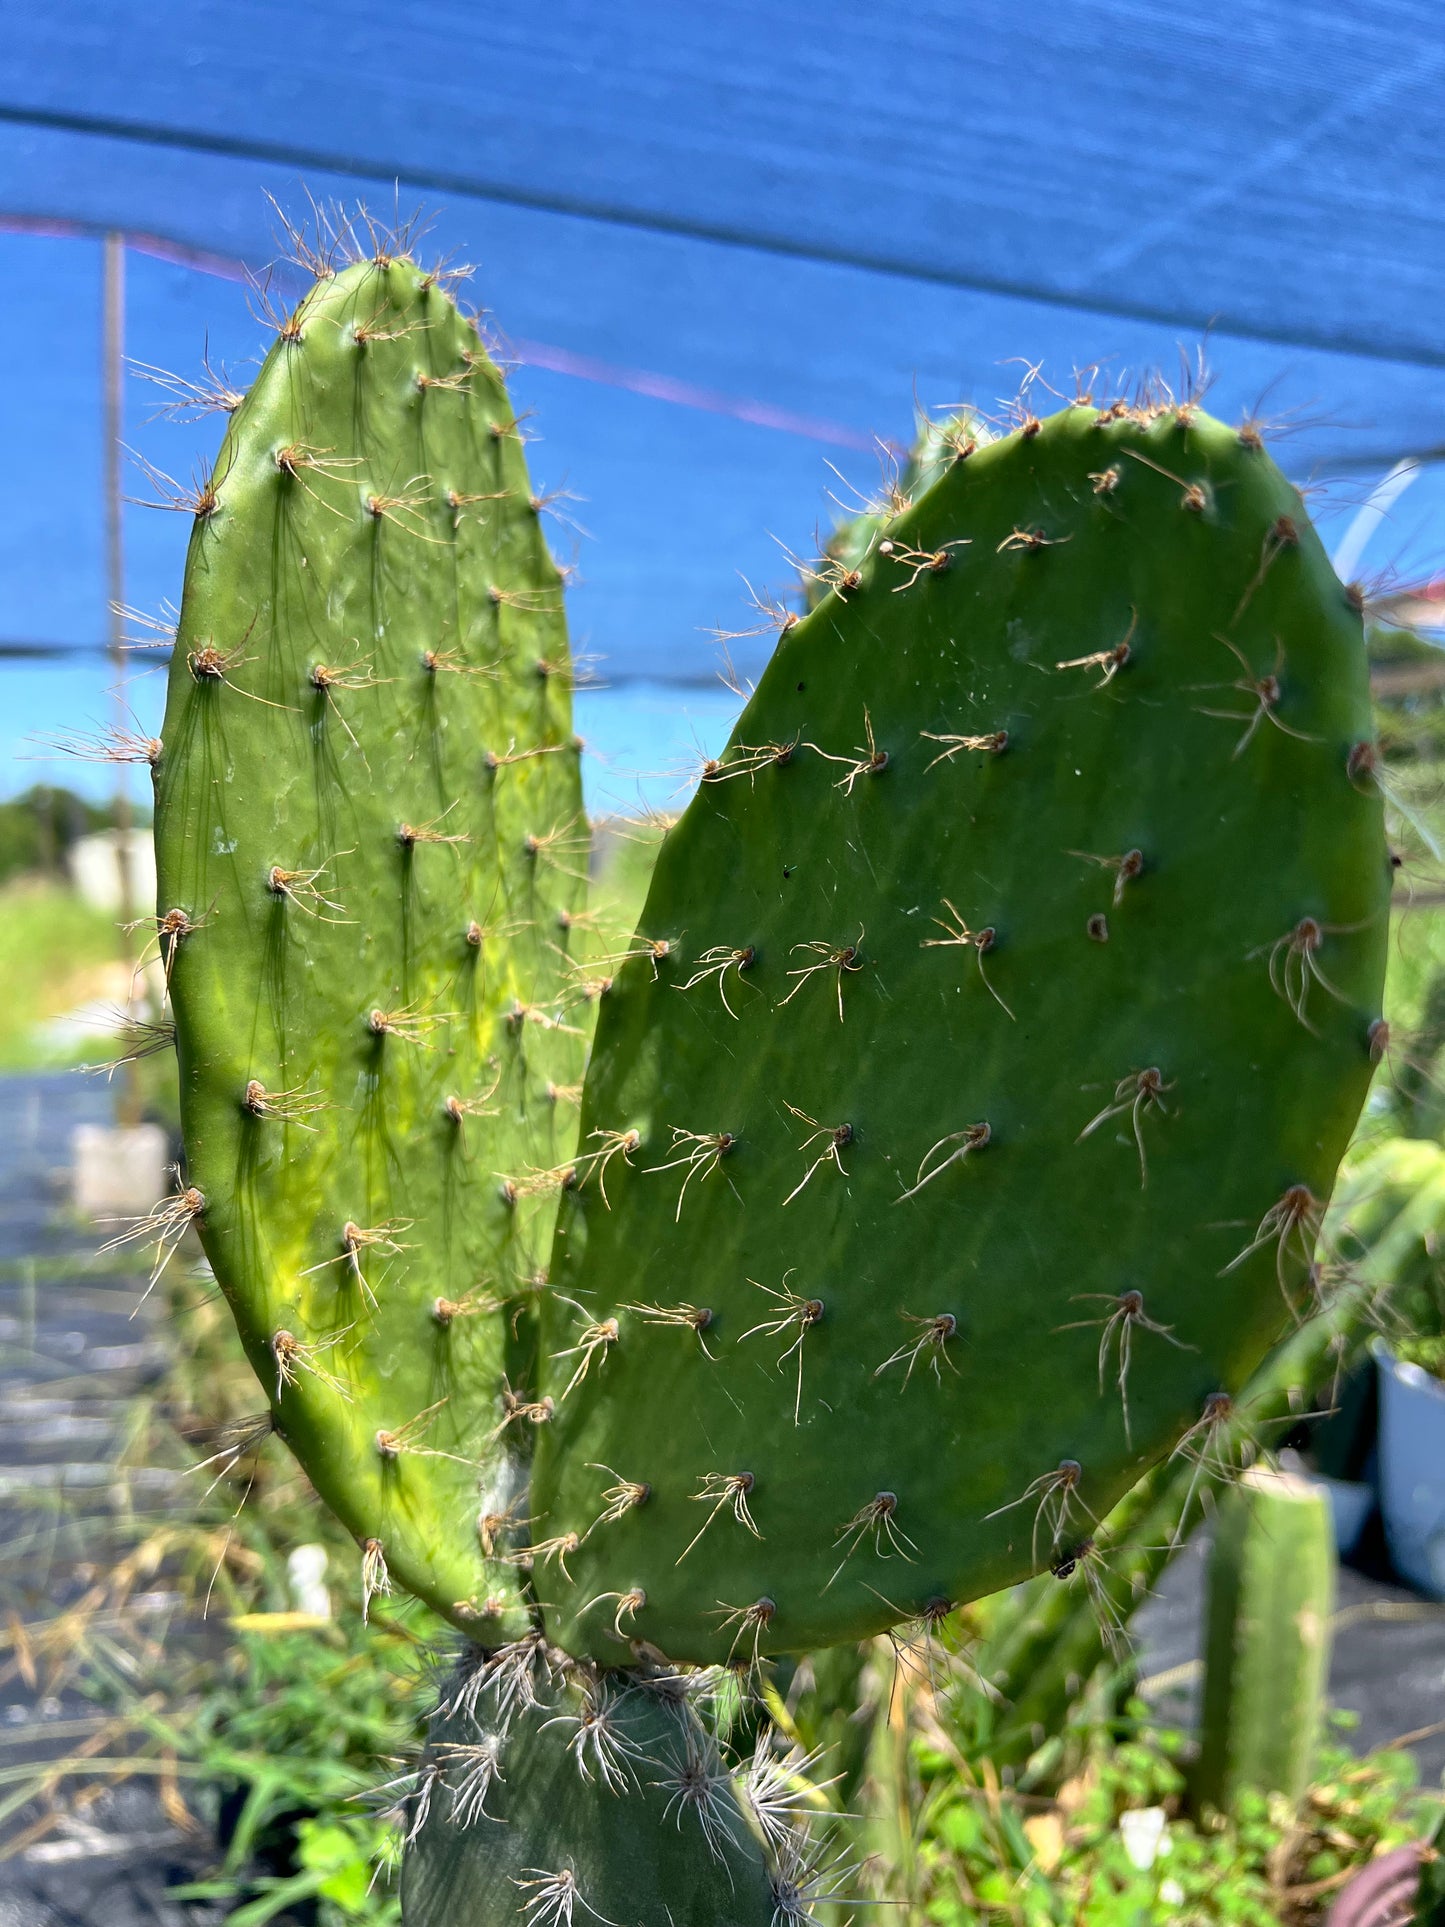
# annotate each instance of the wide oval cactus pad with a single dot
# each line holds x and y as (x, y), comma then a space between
(1006, 1004)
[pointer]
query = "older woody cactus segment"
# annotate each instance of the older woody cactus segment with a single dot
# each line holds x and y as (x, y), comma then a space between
(575, 1795)
(370, 841)
(1007, 995)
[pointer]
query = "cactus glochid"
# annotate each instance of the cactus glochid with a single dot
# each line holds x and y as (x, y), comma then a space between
(957, 1125)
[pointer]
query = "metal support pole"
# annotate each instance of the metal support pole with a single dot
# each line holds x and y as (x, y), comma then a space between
(129, 1105)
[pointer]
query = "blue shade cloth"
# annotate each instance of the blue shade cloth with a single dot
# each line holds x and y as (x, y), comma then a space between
(1274, 167)
(729, 245)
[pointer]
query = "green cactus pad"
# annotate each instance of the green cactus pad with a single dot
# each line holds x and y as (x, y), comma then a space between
(370, 839)
(604, 1792)
(1021, 953)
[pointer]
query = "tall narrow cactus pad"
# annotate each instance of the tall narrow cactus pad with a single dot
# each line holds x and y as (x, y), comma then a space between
(370, 836)
(1004, 1001)
(601, 1798)
(1267, 1639)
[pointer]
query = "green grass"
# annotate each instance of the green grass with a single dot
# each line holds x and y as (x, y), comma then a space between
(56, 953)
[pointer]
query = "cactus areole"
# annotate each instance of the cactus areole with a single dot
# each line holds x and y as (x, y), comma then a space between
(959, 1121)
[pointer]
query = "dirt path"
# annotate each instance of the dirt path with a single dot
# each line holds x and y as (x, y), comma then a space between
(77, 1342)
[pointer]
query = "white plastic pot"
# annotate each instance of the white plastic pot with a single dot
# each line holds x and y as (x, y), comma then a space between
(1412, 1472)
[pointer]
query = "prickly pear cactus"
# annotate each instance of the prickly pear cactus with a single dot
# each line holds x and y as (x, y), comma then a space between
(370, 842)
(1002, 1005)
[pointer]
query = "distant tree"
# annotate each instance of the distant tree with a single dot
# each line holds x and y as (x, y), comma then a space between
(38, 827)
